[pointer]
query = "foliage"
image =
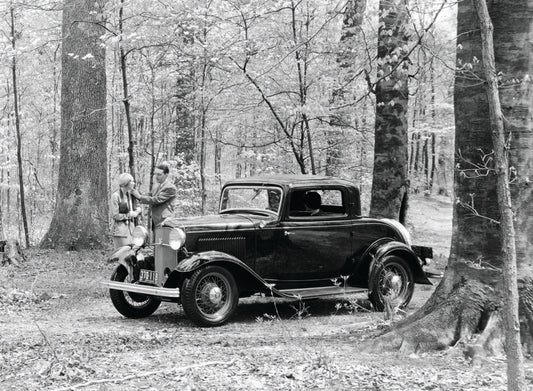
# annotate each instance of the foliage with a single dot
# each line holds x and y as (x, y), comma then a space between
(186, 181)
(195, 75)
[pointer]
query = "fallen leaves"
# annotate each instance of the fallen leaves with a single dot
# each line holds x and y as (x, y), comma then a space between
(84, 344)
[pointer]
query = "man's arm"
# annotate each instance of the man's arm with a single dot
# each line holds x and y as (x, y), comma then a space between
(164, 195)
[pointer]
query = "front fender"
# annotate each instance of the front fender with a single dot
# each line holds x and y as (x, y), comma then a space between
(125, 256)
(404, 251)
(195, 261)
(120, 254)
(246, 277)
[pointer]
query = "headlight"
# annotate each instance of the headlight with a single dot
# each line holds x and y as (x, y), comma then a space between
(139, 236)
(401, 229)
(176, 238)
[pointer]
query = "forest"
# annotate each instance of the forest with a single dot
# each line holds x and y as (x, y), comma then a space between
(419, 103)
(222, 90)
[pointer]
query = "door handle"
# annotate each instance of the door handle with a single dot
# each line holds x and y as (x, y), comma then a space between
(287, 233)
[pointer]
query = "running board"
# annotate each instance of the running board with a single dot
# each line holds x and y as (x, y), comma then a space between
(309, 293)
(144, 289)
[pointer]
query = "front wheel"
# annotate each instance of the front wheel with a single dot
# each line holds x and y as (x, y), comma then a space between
(209, 296)
(130, 304)
(391, 283)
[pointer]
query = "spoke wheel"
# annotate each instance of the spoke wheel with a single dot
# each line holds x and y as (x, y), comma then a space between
(391, 281)
(210, 296)
(130, 304)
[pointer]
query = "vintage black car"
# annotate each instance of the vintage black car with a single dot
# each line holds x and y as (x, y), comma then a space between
(282, 236)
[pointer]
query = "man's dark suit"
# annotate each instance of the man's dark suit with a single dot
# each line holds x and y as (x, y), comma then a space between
(162, 202)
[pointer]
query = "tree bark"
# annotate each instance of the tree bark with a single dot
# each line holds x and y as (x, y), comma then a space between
(125, 94)
(11, 253)
(516, 378)
(81, 213)
(390, 181)
(472, 288)
(17, 127)
(412, 154)
(433, 163)
(425, 162)
(2, 233)
(218, 157)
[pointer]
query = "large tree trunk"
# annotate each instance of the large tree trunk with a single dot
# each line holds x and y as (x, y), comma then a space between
(81, 213)
(516, 379)
(512, 33)
(471, 291)
(390, 179)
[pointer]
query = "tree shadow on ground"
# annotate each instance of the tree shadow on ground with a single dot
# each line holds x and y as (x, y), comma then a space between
(255, 309)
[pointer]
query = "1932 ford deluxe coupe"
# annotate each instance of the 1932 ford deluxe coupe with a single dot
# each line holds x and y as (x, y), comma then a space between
(284, 236)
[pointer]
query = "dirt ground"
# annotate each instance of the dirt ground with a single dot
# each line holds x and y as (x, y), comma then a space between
(59, 331)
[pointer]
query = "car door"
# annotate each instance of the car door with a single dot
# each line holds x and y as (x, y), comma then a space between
(315, 245)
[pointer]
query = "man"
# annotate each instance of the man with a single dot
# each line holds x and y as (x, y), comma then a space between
(162, 200)
(312, 202)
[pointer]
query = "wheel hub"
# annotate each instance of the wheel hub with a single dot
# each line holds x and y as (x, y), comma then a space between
(213, 294)
(396, 283)
(392, 283)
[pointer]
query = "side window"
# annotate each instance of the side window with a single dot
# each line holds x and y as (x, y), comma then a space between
(332, 201)
(317, 202)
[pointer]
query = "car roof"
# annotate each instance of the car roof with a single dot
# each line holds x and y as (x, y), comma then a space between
(291, 181)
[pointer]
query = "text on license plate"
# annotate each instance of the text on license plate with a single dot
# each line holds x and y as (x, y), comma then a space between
(148, 276)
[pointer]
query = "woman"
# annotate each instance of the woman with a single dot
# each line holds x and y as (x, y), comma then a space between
(124, 209)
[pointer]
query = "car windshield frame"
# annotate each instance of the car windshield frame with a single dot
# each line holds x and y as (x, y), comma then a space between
(247, 209)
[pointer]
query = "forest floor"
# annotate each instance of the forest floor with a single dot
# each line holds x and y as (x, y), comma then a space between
(59, 331)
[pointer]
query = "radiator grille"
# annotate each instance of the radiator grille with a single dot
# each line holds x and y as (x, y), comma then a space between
(233, 245)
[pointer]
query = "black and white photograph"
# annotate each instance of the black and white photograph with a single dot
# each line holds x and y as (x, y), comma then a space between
(248, 195)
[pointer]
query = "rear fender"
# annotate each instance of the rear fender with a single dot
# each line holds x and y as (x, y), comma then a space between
(246, 278)
(405, 252)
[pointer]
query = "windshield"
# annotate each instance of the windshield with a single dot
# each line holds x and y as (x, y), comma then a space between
(251, 198)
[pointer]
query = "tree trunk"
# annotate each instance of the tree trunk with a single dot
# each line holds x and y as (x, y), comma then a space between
(425, 162)
(152, 164)
(81, 213)
(432, 92)
(11, 253)
(442, 166)
(516, 378)
(433, 163)
(472, 288)
(412, 154)
(218, 157)
(390, 182)
(417, 154)
(54, 135)
(202, 159)
(125, 94)
(2, 233)
(17, 127)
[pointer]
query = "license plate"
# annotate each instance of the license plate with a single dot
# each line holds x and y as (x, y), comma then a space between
(148, 276)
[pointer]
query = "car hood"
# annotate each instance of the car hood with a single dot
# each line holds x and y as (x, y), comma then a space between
(223, 222)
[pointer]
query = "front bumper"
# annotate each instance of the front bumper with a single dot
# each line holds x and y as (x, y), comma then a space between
(171, 293)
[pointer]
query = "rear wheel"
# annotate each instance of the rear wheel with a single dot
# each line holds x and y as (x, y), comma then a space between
(130, 304)
(210, 296)
(391, 283)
